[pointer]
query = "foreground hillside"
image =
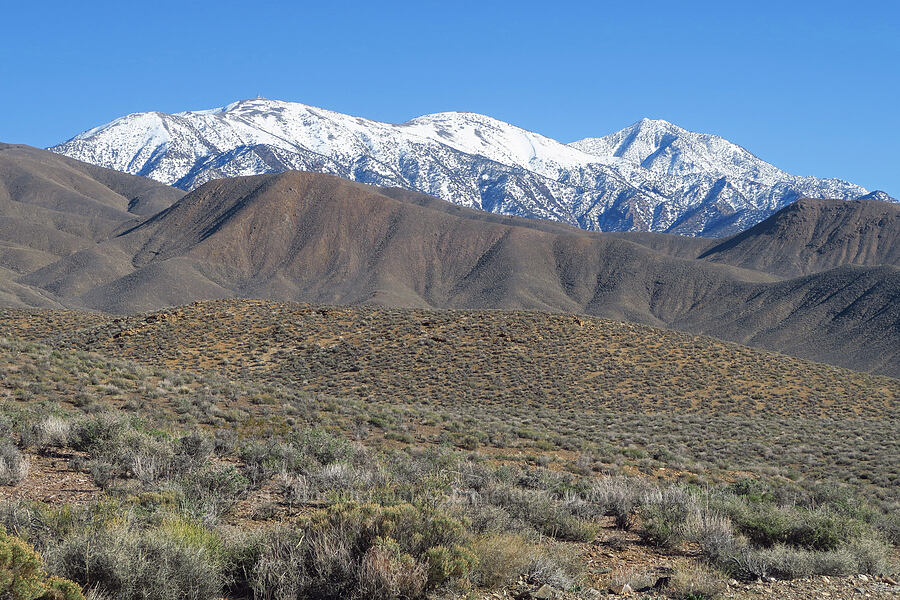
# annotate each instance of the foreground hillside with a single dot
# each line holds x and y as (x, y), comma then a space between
(575, 380)
(251, 449)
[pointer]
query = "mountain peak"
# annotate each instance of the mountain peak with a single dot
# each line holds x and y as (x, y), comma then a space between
(647, 123)
(650, 176)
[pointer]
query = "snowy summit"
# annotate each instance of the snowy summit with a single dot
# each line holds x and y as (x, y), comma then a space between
(651, 176)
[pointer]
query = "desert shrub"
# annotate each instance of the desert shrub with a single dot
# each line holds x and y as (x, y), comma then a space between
(453, 563)
(118, 448)
(341, 479)
(51, 432)
(101, 434)
(325, 447)
(139, 565)
(664, 514)
(13, 466)
(785, 562)
(693, 581)
(821, 530)
(540, 510)
(487, 518)
(713, 533)
(872, 555)
(387, 572)
(502, 558)
(767, 525)
(889, 526)
(210, 493)
(22, 576)
(263, 459)
(620, 498)
(294, 488)
(194, 450)
(559, 566)
(363, 550)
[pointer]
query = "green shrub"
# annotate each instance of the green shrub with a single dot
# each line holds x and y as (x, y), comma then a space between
(210, 493)
(821, 530)
(22, 576)
(388, 572)
(767, 525)
(447, 564)
(620, 498)
(540, 510)
(713, 533)
(502, 558)
(872, 556)
(695, 582)
(363, 550)
(51, 432)
(664, 515)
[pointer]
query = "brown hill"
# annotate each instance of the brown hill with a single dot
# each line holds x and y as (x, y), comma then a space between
(316, 238)
(311, 237)
(810, 236)
(52, 207)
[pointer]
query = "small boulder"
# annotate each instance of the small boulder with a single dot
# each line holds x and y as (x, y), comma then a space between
(622, 590)
(545, 592)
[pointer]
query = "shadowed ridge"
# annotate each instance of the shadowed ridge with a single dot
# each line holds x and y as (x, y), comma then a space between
(333, 240)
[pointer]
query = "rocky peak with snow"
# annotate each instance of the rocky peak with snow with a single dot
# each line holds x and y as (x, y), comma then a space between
(651, 176)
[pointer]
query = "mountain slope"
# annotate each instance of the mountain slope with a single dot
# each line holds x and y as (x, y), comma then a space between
(814, 235)
(651, 176)
(53, 208)
(317, 238)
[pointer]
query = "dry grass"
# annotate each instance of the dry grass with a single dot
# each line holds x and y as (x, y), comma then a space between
(262, 426)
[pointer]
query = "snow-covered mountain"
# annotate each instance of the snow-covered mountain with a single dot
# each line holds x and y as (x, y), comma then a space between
(651, 176)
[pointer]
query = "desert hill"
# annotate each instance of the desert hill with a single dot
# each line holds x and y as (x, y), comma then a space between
(315, 238)
(318, 238)
(53, 207)
(809, 236)
(549, 433)
(563, 377)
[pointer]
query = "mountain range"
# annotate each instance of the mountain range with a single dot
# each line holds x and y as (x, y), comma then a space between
(652, 176)
(819, 279)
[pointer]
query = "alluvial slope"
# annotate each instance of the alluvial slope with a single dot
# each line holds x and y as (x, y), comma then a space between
(317, 238)
(476, 356)
(652, 176)
(67, 238)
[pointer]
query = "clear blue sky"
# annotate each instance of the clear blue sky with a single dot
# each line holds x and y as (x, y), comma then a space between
(813, 87)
